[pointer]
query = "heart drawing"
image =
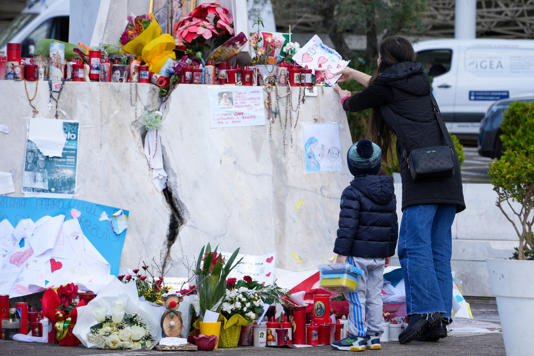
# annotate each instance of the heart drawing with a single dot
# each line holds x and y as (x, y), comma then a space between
(75, 213)
(306, 58)
(322, 60)
(270, 259)
(55, 265)
(19, 258)
(268, 274)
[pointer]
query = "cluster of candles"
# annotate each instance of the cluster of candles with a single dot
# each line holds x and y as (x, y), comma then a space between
(95, 68)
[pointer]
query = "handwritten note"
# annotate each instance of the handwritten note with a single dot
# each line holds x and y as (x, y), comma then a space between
(236, 106)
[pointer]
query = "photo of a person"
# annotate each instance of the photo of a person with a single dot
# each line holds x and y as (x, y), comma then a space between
(120, 73)
(226, 99)
(35, 169)
(116, 77)
(10, 71)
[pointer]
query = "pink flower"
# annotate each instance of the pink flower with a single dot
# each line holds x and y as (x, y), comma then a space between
(194, 28)
(204, 10)
(225, 26)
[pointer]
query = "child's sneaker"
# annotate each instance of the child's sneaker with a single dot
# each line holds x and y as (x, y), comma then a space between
(373, 342)
(350, 343)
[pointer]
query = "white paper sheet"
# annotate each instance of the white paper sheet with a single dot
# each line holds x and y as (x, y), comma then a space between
(49, 253)
(48, 135)
(6, 183)
(4, 129)
(154, 157)
(322, 147)
(314, 54)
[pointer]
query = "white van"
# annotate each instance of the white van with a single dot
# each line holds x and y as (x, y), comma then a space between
(469, 75)
(40, 19)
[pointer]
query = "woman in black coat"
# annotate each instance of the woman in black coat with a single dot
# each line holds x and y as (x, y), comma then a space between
(400, 95)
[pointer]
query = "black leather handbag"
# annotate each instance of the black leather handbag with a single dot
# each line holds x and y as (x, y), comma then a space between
(432, 162)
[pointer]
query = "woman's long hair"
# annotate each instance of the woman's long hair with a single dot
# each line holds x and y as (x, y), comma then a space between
(392, 50)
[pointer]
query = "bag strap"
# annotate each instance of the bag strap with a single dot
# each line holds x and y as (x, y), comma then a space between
(437, 115)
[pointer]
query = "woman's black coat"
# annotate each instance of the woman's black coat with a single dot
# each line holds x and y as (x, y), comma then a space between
(402, 93)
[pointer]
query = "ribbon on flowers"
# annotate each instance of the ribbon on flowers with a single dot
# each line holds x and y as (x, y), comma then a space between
(62, 328)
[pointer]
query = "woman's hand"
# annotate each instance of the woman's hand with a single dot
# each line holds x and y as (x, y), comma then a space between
(347, 74)
(353, 74)
(387, 262)
(341, 259)
(341, 92)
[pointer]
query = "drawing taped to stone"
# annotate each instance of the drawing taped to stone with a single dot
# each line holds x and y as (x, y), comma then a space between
(322, 147)
(52, 175)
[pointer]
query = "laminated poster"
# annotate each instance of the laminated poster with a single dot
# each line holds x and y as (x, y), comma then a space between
(315, 55)
(45, 173)
(236, 106)
(322, 147)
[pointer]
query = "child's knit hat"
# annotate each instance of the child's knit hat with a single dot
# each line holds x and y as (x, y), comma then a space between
(364, 157)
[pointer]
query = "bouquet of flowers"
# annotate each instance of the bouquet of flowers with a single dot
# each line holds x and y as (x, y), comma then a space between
(211, 273)
(271, 294)
(242, 301)
(60, 307)
(142, 38)
(118, 319)
(120, 331)
(148, 286)
(289, 51)
(134, 28)
(206, 27)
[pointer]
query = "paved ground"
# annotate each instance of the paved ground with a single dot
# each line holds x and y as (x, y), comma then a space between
(466, 339)
(475, 167)
(486, 344)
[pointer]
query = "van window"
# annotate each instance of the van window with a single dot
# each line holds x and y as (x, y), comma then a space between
(435, 61)
(56, 28)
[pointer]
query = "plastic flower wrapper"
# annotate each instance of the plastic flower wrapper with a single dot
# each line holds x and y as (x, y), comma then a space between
(120, 301)
(61, 308)
(143, 39)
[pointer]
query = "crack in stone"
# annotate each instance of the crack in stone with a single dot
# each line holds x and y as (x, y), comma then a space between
(178, 212)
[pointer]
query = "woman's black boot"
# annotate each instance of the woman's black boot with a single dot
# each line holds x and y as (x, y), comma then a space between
(417, 325)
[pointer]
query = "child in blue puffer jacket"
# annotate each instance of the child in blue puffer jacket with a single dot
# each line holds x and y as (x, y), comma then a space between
(366, 238)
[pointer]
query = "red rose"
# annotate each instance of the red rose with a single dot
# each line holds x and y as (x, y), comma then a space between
(247, 279)
(121, 277)
(230, 283)
(142, 278)
(145, 267)
(136, 270)
(128, 277)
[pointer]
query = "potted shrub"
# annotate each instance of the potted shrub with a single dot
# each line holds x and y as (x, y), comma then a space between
(512, 177)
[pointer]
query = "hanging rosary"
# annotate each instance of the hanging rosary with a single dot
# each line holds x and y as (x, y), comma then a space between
(52, 98)
(35, 112)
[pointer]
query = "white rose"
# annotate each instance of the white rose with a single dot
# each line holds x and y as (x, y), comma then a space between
(247, 305)
(243, 289)
(237, 305)
(136, 346)
(125, 334)
(99, 313)
(106, 330)
(117, 314)
(126, 345)
(137, 332)
(251, 315)
(113, 341)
